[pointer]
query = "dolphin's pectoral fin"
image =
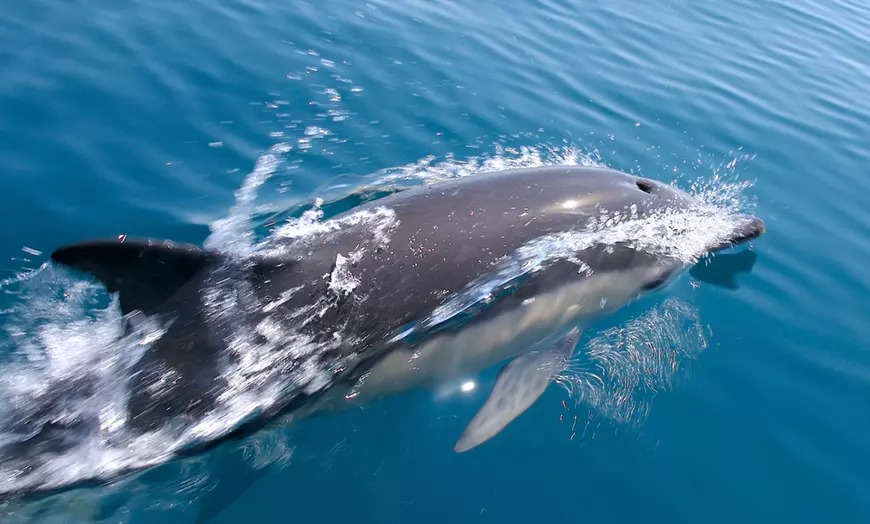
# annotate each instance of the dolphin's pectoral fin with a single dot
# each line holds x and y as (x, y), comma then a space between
(722, 269)
(518, 386)
(144, 272)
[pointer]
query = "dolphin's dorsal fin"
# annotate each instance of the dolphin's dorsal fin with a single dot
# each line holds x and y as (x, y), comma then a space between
(518, 386)
(144, 273)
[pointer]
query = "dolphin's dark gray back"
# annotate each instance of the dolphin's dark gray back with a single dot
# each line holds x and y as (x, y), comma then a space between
(449, 234)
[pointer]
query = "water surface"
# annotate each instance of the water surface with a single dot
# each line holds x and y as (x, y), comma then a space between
(145, 118)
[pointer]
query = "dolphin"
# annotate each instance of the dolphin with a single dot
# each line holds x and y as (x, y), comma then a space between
(416, 288)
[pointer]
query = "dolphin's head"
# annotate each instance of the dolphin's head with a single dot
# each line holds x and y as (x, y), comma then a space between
(608, 197)
(653, 223)
(740, 228)
(659, 195)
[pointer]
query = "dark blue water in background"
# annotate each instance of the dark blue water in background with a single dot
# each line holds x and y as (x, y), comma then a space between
(144, 117)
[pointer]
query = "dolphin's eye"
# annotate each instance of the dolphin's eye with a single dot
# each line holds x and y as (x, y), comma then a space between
(645, 185)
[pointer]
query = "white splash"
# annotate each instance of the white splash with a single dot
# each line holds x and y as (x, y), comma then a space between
(380, 221)
(342, 282)
(428, 171)
(233, 234)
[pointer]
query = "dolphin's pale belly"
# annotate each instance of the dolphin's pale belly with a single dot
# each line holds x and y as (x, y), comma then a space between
(482, 344)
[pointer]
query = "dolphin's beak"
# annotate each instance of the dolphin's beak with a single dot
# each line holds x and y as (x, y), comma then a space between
(749, 227)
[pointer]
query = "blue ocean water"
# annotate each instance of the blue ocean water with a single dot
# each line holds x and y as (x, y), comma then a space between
(145, 118)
